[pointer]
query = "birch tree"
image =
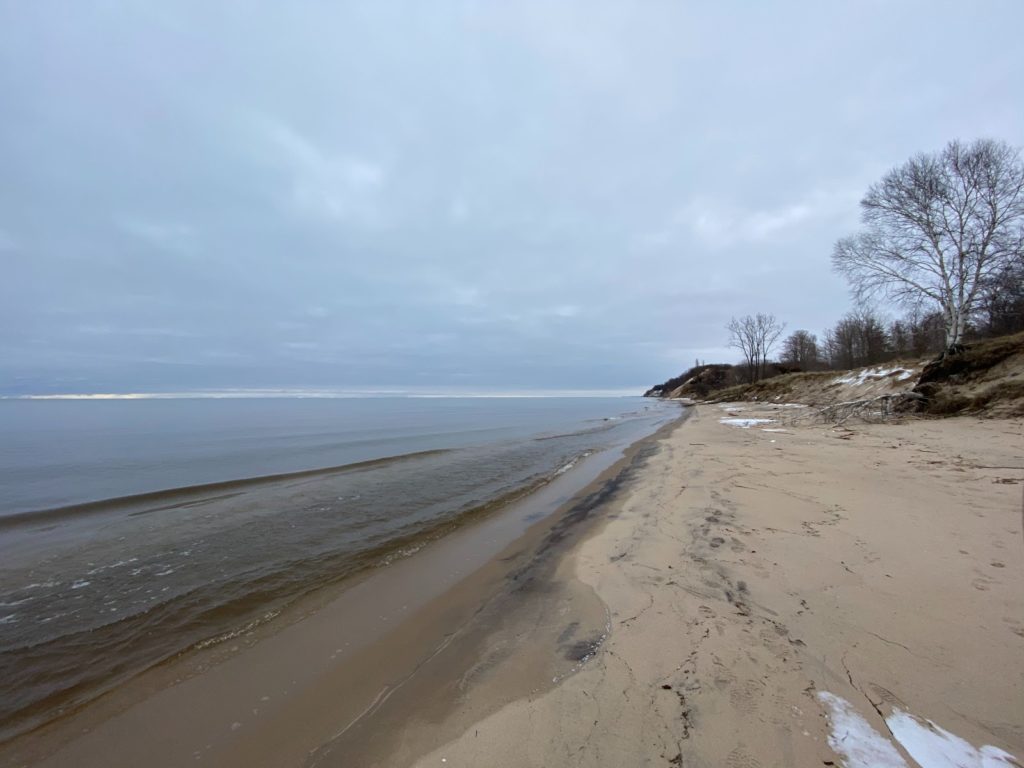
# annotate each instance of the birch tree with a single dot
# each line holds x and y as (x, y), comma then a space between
(938, 229)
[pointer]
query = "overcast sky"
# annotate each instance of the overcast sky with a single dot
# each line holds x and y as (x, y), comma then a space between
(468, 195)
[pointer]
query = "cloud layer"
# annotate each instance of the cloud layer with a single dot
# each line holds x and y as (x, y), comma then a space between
(460, 194)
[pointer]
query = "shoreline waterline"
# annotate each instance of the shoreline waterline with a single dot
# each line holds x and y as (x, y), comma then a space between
(532, 593)
(549, 490)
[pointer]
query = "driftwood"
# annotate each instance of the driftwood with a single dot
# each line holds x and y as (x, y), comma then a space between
(878, 408)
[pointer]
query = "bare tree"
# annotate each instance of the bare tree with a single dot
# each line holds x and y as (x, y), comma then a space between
(857, 339)
(937, 229)
(754, 336)
(743, 336)
(1002, 302)
(840, 347)
(801, 348)
(900, 338)
(768, 331)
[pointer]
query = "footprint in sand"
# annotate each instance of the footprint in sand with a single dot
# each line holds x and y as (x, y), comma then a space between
(744, 697)
(740, 758)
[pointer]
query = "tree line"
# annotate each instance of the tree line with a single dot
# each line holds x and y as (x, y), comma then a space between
(942, 239)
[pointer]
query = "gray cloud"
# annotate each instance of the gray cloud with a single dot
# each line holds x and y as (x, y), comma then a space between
(459, 194)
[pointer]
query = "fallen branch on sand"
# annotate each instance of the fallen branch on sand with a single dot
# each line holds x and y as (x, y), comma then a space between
(869, 409)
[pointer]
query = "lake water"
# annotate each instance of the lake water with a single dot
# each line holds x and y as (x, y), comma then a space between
(134, 530)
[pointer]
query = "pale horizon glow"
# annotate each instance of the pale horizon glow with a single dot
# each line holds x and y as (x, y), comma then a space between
(381, 392)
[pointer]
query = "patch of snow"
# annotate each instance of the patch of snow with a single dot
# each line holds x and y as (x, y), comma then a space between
(935, 747)
(873, 374)
(774, 429)
(861, 746)
(853, 738)
(731, 407)
(745, 423)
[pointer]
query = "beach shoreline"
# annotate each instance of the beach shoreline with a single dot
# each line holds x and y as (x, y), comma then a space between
(169, 571)
(219, 676)
(742, 588)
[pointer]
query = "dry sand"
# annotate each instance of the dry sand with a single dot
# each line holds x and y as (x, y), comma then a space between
(746, 572)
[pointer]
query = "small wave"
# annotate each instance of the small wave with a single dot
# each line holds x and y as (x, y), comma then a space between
(79, 583)
(118, 564)
(170, 498)
(572, 463)
(399, 554)
(42, 584)
(11, 618)
(237, 632)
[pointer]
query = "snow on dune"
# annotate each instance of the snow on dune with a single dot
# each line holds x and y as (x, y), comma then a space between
(745, 423)
(874, 374)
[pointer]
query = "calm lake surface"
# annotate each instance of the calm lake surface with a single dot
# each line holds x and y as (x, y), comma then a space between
(116, 552)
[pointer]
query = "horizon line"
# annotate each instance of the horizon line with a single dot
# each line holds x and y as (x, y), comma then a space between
(327, 394)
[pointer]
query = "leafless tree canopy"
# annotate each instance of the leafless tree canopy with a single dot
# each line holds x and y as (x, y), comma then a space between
(801, 348)
(938, 229)
(858, 339)
(754, 336)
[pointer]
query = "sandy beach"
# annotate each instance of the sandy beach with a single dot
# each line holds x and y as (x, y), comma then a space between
(511, 385)
(747, 593)
(749, 573)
